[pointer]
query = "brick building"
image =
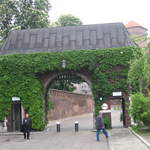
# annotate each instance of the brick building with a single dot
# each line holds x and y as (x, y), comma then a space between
(138, 33)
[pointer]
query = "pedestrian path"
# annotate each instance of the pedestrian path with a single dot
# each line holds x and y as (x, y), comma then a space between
(124, 139)
(68, 139)
(65, 140)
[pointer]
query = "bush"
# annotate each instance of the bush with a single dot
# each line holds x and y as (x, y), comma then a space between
(140, 109)
(107, 122)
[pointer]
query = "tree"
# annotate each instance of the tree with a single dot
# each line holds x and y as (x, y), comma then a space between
(22, 14)
(139, 78)
(65, 85)
(42, 5)
(140, 109)
(67, 20)
(7, 15)
(32, 14)
(139, 73)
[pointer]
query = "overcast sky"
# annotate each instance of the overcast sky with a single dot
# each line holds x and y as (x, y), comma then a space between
(103, 11)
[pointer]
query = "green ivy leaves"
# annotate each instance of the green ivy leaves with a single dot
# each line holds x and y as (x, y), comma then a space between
(18, 76)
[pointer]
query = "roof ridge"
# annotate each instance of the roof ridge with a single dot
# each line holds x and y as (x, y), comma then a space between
(107, 35)
(86, 25)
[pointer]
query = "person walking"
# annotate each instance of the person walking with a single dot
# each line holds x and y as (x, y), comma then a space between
(27, 124)
(100, 126)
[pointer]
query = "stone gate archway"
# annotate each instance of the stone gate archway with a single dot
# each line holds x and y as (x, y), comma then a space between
(48, 78)
(99, 53)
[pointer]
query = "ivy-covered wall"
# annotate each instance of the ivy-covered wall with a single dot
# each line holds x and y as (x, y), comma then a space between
(19, 76)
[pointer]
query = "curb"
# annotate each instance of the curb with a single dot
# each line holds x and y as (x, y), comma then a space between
(140, 138)
(17, 133)
(10, 133)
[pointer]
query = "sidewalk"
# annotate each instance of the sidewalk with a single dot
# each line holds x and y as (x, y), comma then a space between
(124, 139)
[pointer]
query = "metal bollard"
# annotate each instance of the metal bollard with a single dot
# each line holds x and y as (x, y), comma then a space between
(76, 126)
(58, 126)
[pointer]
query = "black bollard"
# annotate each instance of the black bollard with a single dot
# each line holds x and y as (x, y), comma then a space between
(76, 126)
(58, 126)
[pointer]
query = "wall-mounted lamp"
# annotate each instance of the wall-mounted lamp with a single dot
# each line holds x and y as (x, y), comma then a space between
(63, 63)
(100, 98)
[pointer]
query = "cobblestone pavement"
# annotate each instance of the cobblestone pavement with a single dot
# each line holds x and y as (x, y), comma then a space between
(67, 139)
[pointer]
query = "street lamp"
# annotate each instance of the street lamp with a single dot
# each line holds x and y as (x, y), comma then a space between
(63, 63)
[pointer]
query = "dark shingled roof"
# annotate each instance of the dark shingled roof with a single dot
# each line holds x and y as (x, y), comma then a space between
(67, 38)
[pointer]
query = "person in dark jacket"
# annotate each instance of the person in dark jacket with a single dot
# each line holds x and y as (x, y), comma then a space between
(27, 124)
(100, 126)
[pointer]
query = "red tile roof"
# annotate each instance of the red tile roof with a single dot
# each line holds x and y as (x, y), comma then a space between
(132, 24)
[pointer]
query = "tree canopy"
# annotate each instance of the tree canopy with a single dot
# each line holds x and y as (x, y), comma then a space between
(7, 10)
(139, 74)
(32, 14)
(67, 20)
(140, 109)
(22, 14)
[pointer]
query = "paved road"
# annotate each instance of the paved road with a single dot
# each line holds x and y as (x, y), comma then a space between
(53, 141)
(67, 139)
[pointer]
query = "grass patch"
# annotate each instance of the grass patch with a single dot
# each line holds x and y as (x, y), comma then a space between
(142, 130)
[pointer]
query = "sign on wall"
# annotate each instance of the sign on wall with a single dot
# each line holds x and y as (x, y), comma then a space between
(15, 99)
(104, 106)
(117, 93)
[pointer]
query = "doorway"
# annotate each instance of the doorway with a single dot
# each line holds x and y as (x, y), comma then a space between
(16, 116)
(117, 113)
